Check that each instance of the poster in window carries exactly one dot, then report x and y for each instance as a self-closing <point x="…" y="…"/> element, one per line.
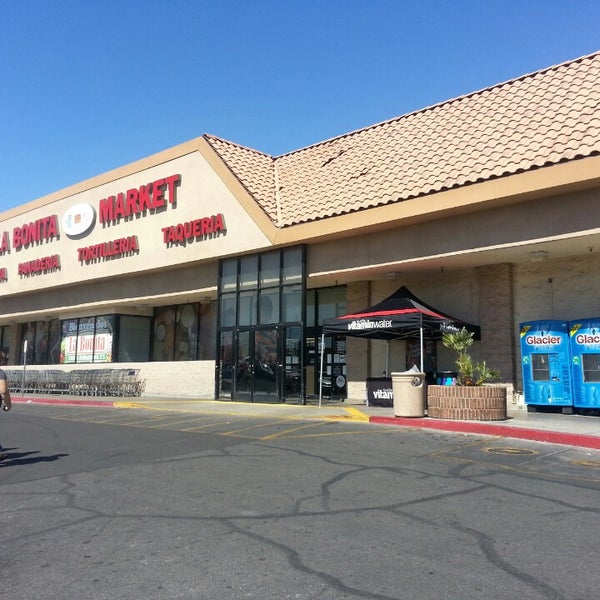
<point x="68" y="344"/>
<point x="103" y="340"/>
<point x="85" y="340"/>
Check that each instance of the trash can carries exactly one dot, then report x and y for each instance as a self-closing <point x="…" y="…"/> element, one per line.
<point x="409" y="394"/>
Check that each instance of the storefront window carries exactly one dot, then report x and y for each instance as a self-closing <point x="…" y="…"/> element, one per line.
<point x="68" y="344"/>
<point x="269" y="307"/>
<point x="186" y="334"/>
<point x="248" y="273"/>
<point x="269" y="269"/>
<point x="134" y="339"/>
<point x="53" y="342"/>
<point x="163" y="347"/>
<point x="43" y="341"/>
<point x="292" y="266"/>
<point x="247" y="308"/>
<point x="292" y="303"/>
<point x="103" y="340"/>
<point x="262" y="315"/>
<point x="177" y="331"/>
<point x="207" y="331"/>
<point x="4" y="346"/>
<point x="229" y="275"/>
<point x="325" y="303"/>
<point x="87" y="340"/>
<point x="27" y="343"/>
<point x="228" y="310"/>
<point x="331" y="303"/>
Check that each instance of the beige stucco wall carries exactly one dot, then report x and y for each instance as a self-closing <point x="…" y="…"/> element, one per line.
<point x="183" y="380"/>
<point x="201" y="193"/>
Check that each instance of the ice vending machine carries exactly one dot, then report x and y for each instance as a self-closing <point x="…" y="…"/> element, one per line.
<point x="585" y="362"/>
<point x="545" y="359"/>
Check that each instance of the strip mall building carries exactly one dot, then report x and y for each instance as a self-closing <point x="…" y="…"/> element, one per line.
<point x="209" y="267"/>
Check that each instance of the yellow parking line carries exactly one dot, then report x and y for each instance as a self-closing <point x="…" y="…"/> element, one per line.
<point x="288" y="431"/>
<point x="258" y="426"/>
<point x="188" y="420"/>
<point x="217" y="424"/>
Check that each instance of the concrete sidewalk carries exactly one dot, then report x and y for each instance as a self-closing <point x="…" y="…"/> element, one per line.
<point x="556" y="428"/>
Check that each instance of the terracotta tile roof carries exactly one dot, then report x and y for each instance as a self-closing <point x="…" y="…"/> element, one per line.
<point x="539" y="119"/>
<point x="255" y="171"/>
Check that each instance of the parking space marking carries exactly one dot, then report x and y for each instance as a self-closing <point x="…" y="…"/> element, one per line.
<point x="287" y="432"/>
<point x="249" y="427"/>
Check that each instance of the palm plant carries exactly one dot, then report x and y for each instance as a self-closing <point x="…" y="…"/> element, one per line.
<point x="469" y="372"/>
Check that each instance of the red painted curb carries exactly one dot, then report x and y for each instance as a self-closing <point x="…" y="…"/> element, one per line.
<point x="536" y="435"/>
<point x="61" y="401"/>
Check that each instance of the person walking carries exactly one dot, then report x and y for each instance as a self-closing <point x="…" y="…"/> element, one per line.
<point x="5" y="400"/>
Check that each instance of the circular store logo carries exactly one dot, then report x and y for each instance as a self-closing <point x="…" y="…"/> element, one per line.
<point x="78" y="220"/>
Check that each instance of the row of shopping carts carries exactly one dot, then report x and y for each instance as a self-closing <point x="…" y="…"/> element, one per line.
<point x="86" y="382"/>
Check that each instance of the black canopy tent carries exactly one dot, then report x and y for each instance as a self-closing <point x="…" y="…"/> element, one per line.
<point x="401" y="315"/>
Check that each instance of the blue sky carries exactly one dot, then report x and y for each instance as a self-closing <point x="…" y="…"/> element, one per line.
<point x="91" y="85"/>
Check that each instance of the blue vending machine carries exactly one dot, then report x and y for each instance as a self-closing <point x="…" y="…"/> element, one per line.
<point x="545" y="359"/>
<point x="585" y="362"/>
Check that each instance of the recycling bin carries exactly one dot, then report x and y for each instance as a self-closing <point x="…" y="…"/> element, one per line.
<point x="409" y="394"/>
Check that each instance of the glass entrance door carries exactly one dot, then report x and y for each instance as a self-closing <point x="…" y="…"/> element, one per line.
<point x="244" y="367"/>
<point x="256" y="367"/>
<point x="266" y="366"/>
<point x="262" y="364"/>
<point x="292" y="364"/>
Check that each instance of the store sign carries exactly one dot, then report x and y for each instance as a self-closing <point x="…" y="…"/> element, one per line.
<point x="147" y="199"/>
<point x="30" y="234"/>
<point x="114" y="249"/>
<point x="78" y="220"/>
<point x="48" y="264"/>
<point x="5" y="244"/>
<point x="194" y="230"/>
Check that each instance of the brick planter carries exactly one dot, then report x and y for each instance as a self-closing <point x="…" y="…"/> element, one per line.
<point x="467" y="403"/>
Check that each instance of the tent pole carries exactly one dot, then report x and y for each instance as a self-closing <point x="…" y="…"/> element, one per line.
<point x="421" y="332"/>
<point x="387" y="358"/>
<point x="321" y="369"/>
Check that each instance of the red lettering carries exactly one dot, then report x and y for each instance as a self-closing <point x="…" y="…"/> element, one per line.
<point x="39" y="265"/>
<point x="5" y="247"/>
<point x="52" y="227"/>
<point x="587" y="339"/>
<point x="158" y="193"/>
<point x="537" y="340"/>
<point x="106" y="209"/>
<point x="207" y="226"/>
<point x="144" y="198"/>
<point x="219" y="223"/>
<point x="118" y="247"/>
<point x="171" y="183"/>
<point x="132" y="202"/>
<point x="120" y="206"/>
<point x="139" y="201"/>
